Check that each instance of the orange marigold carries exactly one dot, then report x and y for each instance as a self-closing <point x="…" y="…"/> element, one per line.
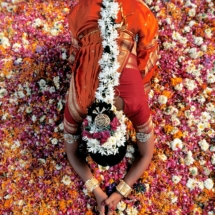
<point x="179" y="134"/>
<point x="175" y="81"/>
<point x="89" y="213"/>
<point x="168" y="128"/>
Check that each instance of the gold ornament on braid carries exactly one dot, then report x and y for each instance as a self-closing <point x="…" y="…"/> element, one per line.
<point x="123" y="188"/>
<point x="91" y="184"/>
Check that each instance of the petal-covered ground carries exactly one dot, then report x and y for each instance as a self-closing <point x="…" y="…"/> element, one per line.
<point x="35" y="175"/>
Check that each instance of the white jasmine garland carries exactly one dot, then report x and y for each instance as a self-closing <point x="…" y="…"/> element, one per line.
<point x="108" y="79"/>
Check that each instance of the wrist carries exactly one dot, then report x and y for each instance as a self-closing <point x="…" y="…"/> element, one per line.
<point x="119" y="195"/>
<point x="91" y="184"/>
<point x="97" y="190"/>
<point x="123" y="188"/>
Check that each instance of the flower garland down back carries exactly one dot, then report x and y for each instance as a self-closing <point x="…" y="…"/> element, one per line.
<point x="104" y="128"/>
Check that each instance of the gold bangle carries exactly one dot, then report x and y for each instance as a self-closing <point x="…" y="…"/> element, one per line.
<point x="123" y="188"/>
<point x="91" y="184"/>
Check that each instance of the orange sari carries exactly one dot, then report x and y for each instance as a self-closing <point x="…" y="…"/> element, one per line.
<point x="137" y="20"/>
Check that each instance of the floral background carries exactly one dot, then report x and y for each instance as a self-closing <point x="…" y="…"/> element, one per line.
<point x="35" y="175"/>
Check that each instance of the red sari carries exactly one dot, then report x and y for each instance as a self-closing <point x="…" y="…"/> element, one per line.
<point x="137" y="70"/>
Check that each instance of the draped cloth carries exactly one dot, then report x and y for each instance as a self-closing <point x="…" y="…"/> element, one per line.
<point x="137" y="21"/>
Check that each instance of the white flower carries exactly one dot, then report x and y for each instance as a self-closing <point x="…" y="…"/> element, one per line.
<point x="64" y="56"/>
<point x="171" y="110"/>
<point x="213" y="159"/>
<point x="42" y="118"/>
<point x="43" y="161"/>
<point x="132" y="211"/>
<point x="16" y="47"/>
<point x="162" y="99"/>
<point x="208" y="33"/>
<point x="121" y="206"/>
<point x="103" y="168"/>
<point x="202" y="162"/>
<point x="42" y="83"/>
<point x="149" y="2"/>
<point x="4" y="41"/>
<point x="8" y="196"/>
<point x="28" y="109"/>
<point x="193" y="171"/>
<point x="200" y="126"/>
<point x="61" y="126"/>
<point x="25" y="41"/>
<point x="176" y="144"/>
<point x="59" y="105"/>
<point x="175" y="121"/>
<point x="190" y="84"/>
<point x="168" y="20"/>
<point x="54" y="141"/>
<point x="178" y="87"/>
<point x="168" y="45"/>
<point x="37" y="23"/>
<point x="200" y="184"/>
<point x="212" y="148"/>
<point x="66" y="180"/>
<point x="34" y="118"/>
<point x="15" y="145"/>
<point x="130" y="149"/>
<point x="205" y="116"/>
<point x="193" y="53"/>
<point x="163" y="157"/>
<point x="18" y="60"/>
<point x="207" y="171"/>
<point x="56" y="81"/>
<point x="58" y="167"/>
<point x="198" y="40"/>
<point x="172" y="197"/>
<point x="192" y="12"/>
<point x="189" y="159"/>
<point x="201" y="99"/>
<point x="52" y="89"/>
<point x="187" y="29"/>
<point x="176" y="178"/>
<point x="191" y="183"/>
<point x="21" y="202"/>
<point x="208" y="183"/>
<point x="210" y="78"/>
<point x="3" y="92"/>
<point x="204" y="145"/>
<point x="204" y="48"/>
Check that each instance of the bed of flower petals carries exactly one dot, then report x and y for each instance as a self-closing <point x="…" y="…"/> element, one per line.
<point x="35" y="175"/>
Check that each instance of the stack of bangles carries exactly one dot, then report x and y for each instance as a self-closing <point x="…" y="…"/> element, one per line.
<point x="123" y="188"/>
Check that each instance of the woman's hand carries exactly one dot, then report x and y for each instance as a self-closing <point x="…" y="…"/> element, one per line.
<point x="100" y="198"/>
<point x="112" y="202"/>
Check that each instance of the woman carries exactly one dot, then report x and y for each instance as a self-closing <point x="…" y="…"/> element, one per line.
<point x="137" y="60"/>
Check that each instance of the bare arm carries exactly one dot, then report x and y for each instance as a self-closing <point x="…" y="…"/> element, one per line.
<point x="82" y="169"/>
<point x="139" y="165"/>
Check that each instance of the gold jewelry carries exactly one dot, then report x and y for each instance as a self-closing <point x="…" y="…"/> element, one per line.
<point x="123" y="188"/>
<point x="91" y="184"/>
